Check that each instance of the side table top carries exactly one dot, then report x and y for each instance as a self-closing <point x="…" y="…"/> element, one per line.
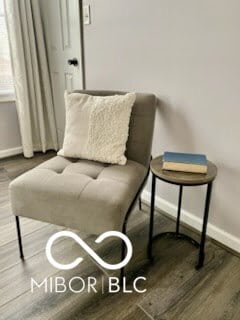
<point x="184" y="178"/>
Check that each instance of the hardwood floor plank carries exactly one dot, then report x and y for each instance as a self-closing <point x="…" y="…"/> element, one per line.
<point x="138" y="236"/>
<point x="4" y="195"/>
<point x="5" y="212"/>
<point x="123" y="302"/>
<point x="33" y="243"/>
<point x="215" y="296"/>
<point x="167" y="292"/>
<point x="8" y="231"/>
<point x="17" y="165"/>
<point x="46" y="305"/>
<point x="137" y="314"/>
<point x="16" y="280"/>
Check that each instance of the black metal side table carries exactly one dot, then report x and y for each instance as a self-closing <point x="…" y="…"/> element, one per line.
<point x="181" y="179"/>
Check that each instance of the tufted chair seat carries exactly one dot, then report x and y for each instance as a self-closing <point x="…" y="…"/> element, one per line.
<point x="90" y="196"/>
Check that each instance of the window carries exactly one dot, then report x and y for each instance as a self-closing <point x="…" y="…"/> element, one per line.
<point x="6" y="78"/>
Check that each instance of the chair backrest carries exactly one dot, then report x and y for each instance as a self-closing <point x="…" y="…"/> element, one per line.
<point x="141" y="127"/>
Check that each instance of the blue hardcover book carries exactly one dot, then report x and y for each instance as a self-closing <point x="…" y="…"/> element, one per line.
<point x="188" y="158"/>
<point x="186" y="162"/>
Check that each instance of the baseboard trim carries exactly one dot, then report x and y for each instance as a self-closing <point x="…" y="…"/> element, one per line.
<point x="188" y="218"/>
<point x="10" y="152"/>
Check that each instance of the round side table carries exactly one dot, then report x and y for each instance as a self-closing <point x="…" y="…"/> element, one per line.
<point x="182" y="179"/>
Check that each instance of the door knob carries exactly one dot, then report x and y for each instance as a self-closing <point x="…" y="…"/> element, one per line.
<point x="73" y="62"/>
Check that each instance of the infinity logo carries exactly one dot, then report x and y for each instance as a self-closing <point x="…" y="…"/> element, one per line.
<point x="83" y="244"/>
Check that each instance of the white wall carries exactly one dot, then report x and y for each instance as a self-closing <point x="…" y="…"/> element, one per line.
<point x="187" y="53"/>
<point x="10" y="141"/>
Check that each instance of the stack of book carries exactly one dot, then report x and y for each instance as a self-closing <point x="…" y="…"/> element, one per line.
<point x="186" y="162"/>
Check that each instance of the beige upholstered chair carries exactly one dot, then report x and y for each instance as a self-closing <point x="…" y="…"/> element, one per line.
<point x="90" y="196"/>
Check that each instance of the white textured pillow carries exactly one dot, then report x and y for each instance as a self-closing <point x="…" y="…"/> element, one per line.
<point x="97" y="127"/>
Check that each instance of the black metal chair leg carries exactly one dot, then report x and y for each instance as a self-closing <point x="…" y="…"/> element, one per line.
<point x="204" y="228"/>
<point x="19" y="238"/>
<point x="140" y="203"/>
<point x="149" y="253"/>
<point x="123" y="252"/>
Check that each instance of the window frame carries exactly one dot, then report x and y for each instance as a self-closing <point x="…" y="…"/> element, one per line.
<point x="6" y="96"/>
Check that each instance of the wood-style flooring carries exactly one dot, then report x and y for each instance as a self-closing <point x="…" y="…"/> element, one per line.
<point x="175" y="290"/>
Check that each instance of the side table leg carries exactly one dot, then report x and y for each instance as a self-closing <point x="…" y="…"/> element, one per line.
<point x="204" y="227"/>
<point x="140" y="203"/>
<point x="151" y="218"/>
<point x="179" y="209"/>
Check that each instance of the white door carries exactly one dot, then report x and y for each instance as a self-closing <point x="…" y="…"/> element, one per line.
<point x="63" y="33"/>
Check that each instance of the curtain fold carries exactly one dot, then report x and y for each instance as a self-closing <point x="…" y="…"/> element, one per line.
<point x="34" y="97"/>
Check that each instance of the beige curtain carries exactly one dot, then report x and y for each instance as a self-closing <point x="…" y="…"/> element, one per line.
<point x="31" y="75"/>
